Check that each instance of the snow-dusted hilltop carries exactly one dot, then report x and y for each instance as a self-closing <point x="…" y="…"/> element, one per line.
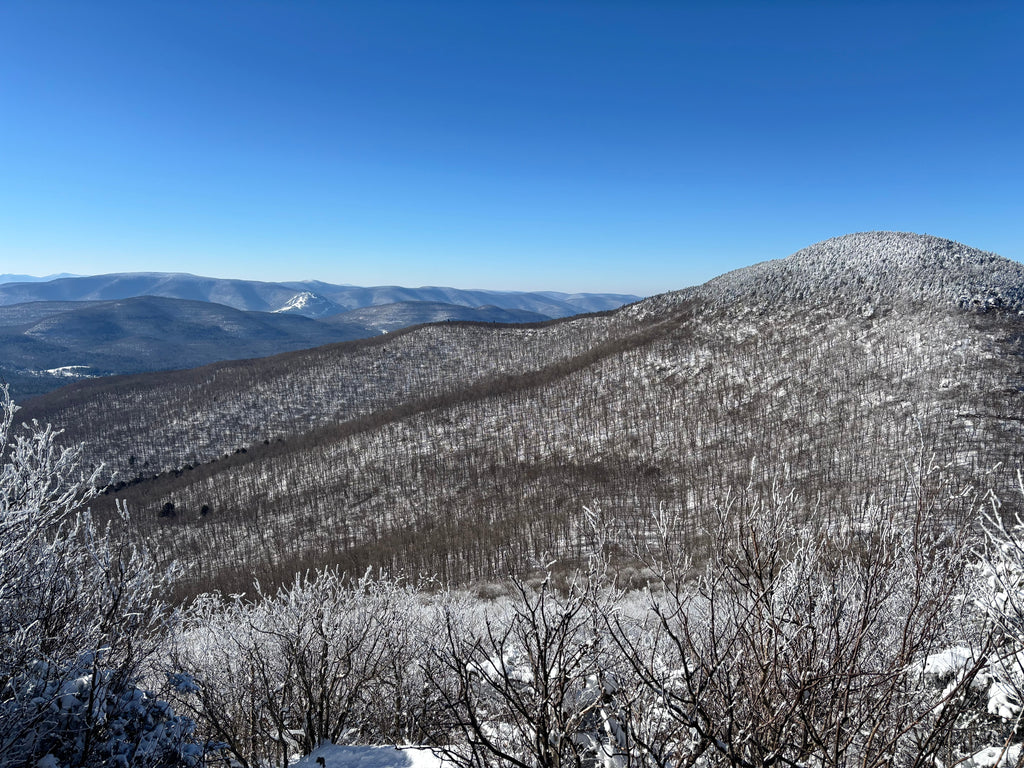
<point x="309" y="304"/>
<point x="866" y="269"/>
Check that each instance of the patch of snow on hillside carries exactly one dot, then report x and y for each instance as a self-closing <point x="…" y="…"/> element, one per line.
<point x="308" y="304"/>
<point x="67" y="371"/>
<point x="298" y="302"/>
<point x="337" y="756"/>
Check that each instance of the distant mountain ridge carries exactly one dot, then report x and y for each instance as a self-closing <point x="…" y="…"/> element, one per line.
<point x="8" y="278"/>
<point x="46" y="344"/>
<point x="308" y="298"/>
<point x="144" y="333"/>
<point x="122" y="323"/>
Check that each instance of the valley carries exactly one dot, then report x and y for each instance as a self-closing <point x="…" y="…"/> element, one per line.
<point x="72" y="328"/>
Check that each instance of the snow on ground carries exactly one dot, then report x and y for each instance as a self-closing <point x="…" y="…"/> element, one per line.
<point x="994" y="756"/>
<point x="67" y="370"/>
<point x="334" y="756"/>
<point x="949" y="662"/>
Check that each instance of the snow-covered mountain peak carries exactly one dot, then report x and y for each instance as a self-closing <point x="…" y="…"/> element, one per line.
<point x="869" y="268"/>
<point x="309" y="304"/>
<point x="894" y="257"/>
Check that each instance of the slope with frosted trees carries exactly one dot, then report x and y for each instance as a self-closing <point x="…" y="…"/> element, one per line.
<point x="788" y="646"/>
<point x="470" y="450"/>
<point x="794" y="481"/>
<point x="886" y="268"/>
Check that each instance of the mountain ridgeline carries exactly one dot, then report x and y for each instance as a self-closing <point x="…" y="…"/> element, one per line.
<point x="73" y="328"/>
<point x="310" y="298"/>
<point x="872" y="370"/>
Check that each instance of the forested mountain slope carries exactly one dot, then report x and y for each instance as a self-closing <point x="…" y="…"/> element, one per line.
<point x="898" y="269"/>
<point x="167" y="419"/>
<point x="874" y="369"/>
<point x="402" y="314"/>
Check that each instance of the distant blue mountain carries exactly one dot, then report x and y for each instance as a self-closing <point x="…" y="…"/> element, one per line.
<point x="68" y="328"/>
<point x="44" y="345"/>
<point x="308" y="298"/>
<point x="401" y="314"/>
<point x="32" y="279"/>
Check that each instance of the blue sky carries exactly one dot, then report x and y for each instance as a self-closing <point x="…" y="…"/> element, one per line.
<point x="581" y="146"/>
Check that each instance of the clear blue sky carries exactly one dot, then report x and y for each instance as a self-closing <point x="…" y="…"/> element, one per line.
<point x="630" y="146"/>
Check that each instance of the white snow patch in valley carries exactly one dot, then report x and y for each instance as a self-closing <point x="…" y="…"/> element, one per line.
<point x="336" y="756"/>
<point x="67" y="370"/>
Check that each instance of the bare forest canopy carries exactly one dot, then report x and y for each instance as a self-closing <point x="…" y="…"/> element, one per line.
<point x="877" y="370"/>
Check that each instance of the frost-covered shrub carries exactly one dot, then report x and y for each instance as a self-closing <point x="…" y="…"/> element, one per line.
<point x="999" y="593"/>
<point x="93" y="719"/>
<point x="80" y="621"/>
<point x="327" y="659"/>
<point x="802" y="644"/>
<point x="536" y="680"/>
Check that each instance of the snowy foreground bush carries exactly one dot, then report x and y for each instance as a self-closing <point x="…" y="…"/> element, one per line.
<point x="878" y="643"/>
<point x="81" y="622"/>
<point x="875" y="642"/>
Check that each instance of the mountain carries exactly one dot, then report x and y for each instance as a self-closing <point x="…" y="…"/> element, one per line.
<point x="14" y="315"/>
<point x="248" y="295"/>
<point x="309" y="304"/>
<point x="310" y="298"/>
<point x="33" y="361"/>
<point x="549" y="303"/>
<point x="43" y="344"/>
<point x="878" y="370"/>
<point x="7" y="278"/>
<point x="867" y="268"/>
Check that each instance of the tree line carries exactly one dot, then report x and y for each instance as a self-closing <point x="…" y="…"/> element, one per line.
<point x="491" y="477"/>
